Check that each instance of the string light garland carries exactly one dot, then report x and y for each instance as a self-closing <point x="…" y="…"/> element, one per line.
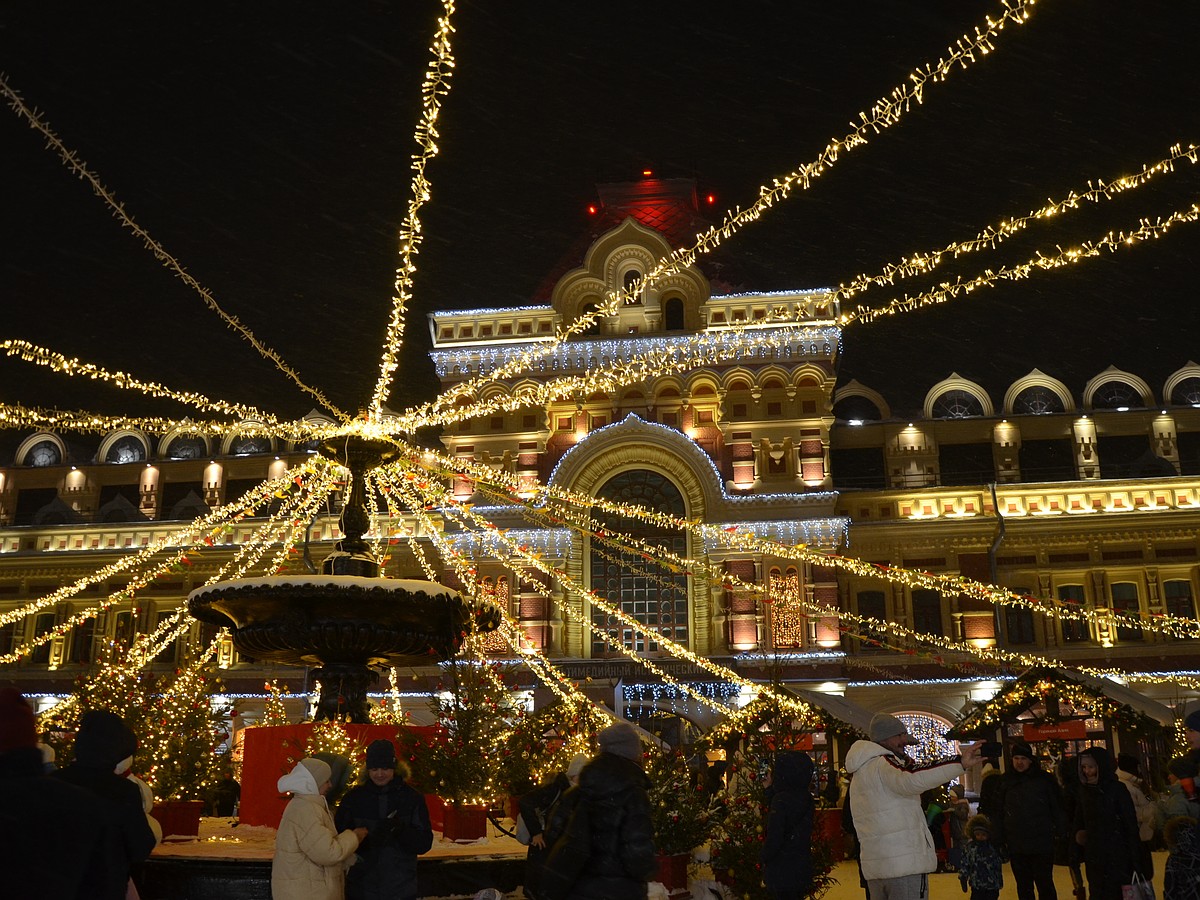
<point x="437" y="84"/>
<point x="41" y="356"/>
<point x="81" y="170"/>
<point x="885" y="112"/>
<point x="923" y="263"/>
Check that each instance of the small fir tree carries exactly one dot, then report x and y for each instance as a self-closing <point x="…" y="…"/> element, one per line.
<point x="682" y="811"/>
<point x="463" y="759"/>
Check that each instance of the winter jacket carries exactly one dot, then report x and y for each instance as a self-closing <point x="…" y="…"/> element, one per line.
<point x="982" y="867"/>
<point x="1181" y="880"/>
<point x="104" y="741"/>
<point x="52" y="833"/>
<point x="1105" y="813"/>
<point x="398" y="821"/>
<point x="885" y="798"/>
<point x="1142" y="807"/>
<point x="606" y="849"/>
<point x="786" y="850"/>
<point x="309" y="852"/>
<point x="1030" y="816"/>
<point x="1174" y="802"/>
<point x="537" y="811"/>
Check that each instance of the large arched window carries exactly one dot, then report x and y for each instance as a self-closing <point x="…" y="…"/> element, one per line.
<point x="957" y="404"/>
<point x="1038" y="400"/>
<point x="642" y="589"/>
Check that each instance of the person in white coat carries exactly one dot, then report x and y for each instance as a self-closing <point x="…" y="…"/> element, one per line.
<point x="309" y="852"/>
<point x="896" y="849"/>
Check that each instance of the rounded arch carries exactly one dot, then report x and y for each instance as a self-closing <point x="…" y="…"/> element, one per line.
<point x="739" y="379"/>
<point x="180" y="443"/>
<point x="929" y="727"/>
<point x="850" y="402"/>
<point x="634" y="443"/>
<point x="41" y="450"/>
<point x="956" y="397"/>
<point x="1037" y="394"/>
<point x="1117" y="389"/>
<point x="124" y="446"/>
<point x="248" y="440"/>
<point x="1183" y="387"/>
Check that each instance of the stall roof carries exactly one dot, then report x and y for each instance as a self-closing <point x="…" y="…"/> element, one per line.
<point x="857" y="717"/>
<point x="1119" y="693"/>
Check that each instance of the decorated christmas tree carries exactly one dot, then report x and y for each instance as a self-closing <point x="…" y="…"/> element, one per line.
<point x="682" y="811"/>
<point x="463" y="759"/>
<point x="543" y="743"/>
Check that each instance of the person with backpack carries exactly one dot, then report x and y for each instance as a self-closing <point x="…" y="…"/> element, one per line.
<point x="606" y="849"/>
<point x="536" y="813"/>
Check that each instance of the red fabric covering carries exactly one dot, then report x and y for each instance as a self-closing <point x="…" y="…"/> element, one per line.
<point x="272" y="751"/>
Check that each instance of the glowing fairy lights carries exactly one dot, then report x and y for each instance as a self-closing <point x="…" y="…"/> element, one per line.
<point x="437" y="84"/>
<point x="885" y="112"/>
<point x="81" y="170"/>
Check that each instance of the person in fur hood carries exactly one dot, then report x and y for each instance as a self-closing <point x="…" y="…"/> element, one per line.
<point x="309" y="852"/>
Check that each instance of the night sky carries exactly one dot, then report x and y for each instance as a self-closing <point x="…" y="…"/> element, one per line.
<point x="266" y="145"/>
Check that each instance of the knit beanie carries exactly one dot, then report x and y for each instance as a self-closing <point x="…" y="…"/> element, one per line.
<point x="381" y="754"/>
<point x="1020" y="748"/>
<point x="1182" y="767"/>
<point x="17" y="727"/>
<point x="103" y="740"/>
<point x="621" y="740"/>
<point x="1127" y="762"/>
<point x="318" y="769"/>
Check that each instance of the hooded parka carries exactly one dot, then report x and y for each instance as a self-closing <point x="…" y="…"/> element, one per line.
<point x="885" y="799"/>
<point x="787" y="845"/>
<point x="309" y="853"/>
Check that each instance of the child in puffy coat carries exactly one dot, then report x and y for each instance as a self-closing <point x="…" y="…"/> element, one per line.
<point x="1182" y="878"/>
<point x="982" y="865"/>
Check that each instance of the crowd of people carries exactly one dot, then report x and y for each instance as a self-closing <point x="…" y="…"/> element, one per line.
<point x="83" y="831"/>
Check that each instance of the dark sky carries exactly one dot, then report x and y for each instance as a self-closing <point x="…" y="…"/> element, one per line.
<point x="267" y="144"/>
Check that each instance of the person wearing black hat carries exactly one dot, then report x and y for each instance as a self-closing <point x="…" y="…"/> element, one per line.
<point x="398" y="829"/>
<point x="103" y="745"/>
<point x="896" y="849"/>
<point x="1030" y="819"/>
<point x="606" y="848"/>
<point x="51" y="831"/>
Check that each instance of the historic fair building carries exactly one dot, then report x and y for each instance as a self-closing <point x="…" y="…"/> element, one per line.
<point x="1082" y="495"/>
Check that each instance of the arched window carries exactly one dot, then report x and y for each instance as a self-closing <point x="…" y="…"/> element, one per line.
<point x="43" y="453"/>
<point x="1116" y="395"/>
<point x="250" y="446"/>
<point x="632" y="277"/>
<point x="856" y="408"/>
<point x="1037" y="400"/>
<point x="673" y="314"/>
<point x="128" y="449"/>
<point x="957" y="404"/>
<point x="187" y="448"/>
<point x="1186" y="393"/>
<point x="641" y="588"/>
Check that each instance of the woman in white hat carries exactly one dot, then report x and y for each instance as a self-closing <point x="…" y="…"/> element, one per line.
<point x="309" y="852"/>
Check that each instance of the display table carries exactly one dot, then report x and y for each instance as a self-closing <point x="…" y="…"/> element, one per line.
<point x="228" y="862"/>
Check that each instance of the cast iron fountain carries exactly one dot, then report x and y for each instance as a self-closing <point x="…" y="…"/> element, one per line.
<point x="348" y="619"/>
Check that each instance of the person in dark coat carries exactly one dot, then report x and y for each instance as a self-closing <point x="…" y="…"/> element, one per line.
<point x="398" y="829"/>
<point x="102" y="744"/>
<point x="786" y="850"/>
<point x="1031" y="819"/>
<point x="51" y="831"/>
<point x="1105" y="826"/>
<point x="1067" y="852"/>
<point x="537" y="811"/>
<point x="606" y="850"/>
